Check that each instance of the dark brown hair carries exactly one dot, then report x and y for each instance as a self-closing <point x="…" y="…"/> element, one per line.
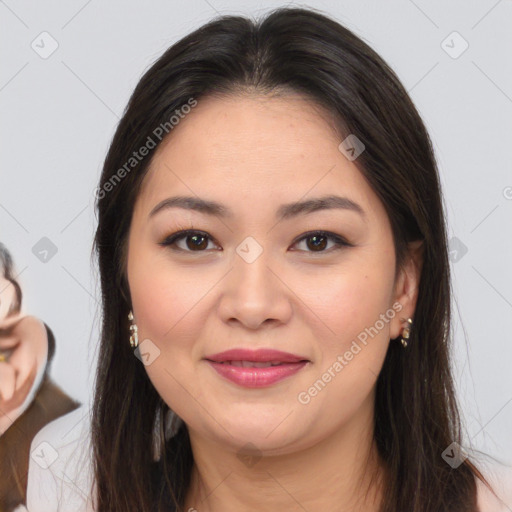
<point x="301" y="51"/>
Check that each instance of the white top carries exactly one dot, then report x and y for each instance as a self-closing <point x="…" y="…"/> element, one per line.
<point x="500" y="478"/>
<point x="60" y="471"/>
<point x="60" y="467"/>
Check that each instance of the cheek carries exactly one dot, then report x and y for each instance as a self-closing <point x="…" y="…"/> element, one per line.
<point x="162" y="293"/>
<point x="169" y="304"/>
<point x="348" y="302"/>
<point x="355" y="338"/>
<point x="6" y="298"/>
<point x="163" y="299"/>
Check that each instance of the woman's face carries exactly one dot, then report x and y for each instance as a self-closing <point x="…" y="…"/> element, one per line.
<point x="252" y="279"/>
<point x="7" y="297"/>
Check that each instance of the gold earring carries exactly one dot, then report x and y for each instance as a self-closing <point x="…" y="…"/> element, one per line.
<point x="406" y="332"/>
<point x="134" y="336"/>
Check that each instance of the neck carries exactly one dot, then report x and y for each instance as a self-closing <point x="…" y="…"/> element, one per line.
<point x="343" y="472"/>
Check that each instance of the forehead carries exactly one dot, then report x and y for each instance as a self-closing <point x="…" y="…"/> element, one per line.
<point x="254" y="149"/>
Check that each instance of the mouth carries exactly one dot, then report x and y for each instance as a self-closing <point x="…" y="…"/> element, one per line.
<point x="252" y="364"/>
<point x="262" y="355"/>
<point x="256" y="369"/>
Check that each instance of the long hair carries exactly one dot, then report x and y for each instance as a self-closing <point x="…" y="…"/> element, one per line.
<point x="290" y="50"/>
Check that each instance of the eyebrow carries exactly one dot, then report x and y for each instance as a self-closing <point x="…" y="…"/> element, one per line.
<point x="285" y="211"/>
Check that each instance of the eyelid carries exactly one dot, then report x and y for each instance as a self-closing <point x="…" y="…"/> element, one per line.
<point x="338" y="239"/>
<point x="178" y="235"/>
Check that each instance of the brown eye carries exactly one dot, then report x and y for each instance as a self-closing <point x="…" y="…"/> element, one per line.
<point x="195" y="241"/>
<point x="318" y="241"/>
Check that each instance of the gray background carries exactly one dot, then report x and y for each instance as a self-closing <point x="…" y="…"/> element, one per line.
<point x="59" y="113"/>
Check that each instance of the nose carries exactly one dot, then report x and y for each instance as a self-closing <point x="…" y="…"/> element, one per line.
<point x="254" y="294"/>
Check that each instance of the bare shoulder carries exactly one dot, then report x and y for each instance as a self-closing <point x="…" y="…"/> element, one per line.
<point x="499" y="499"/>
<point x="30" y="324"/>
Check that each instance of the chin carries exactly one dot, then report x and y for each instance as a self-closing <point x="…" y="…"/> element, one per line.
<point x="270" y="434"/>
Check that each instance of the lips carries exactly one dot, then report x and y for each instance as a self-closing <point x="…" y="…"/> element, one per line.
<point x="252" y="364"/>
<point x="256" y="368"/>
<point x="255" y="356"/>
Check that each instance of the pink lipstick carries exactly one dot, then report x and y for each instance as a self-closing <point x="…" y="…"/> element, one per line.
<point x="256" y="368"/>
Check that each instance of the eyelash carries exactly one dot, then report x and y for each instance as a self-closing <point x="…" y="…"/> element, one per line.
<point x="179" y="235"/>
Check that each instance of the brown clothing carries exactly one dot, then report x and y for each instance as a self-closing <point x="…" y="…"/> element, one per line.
<point x="49" y="403"/>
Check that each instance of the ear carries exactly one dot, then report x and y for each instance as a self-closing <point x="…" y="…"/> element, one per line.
<point x="406" y="287"/>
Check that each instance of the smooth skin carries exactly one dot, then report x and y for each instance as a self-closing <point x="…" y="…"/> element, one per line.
<point x="23" y="349"/>
<point x="253" y="153"/>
